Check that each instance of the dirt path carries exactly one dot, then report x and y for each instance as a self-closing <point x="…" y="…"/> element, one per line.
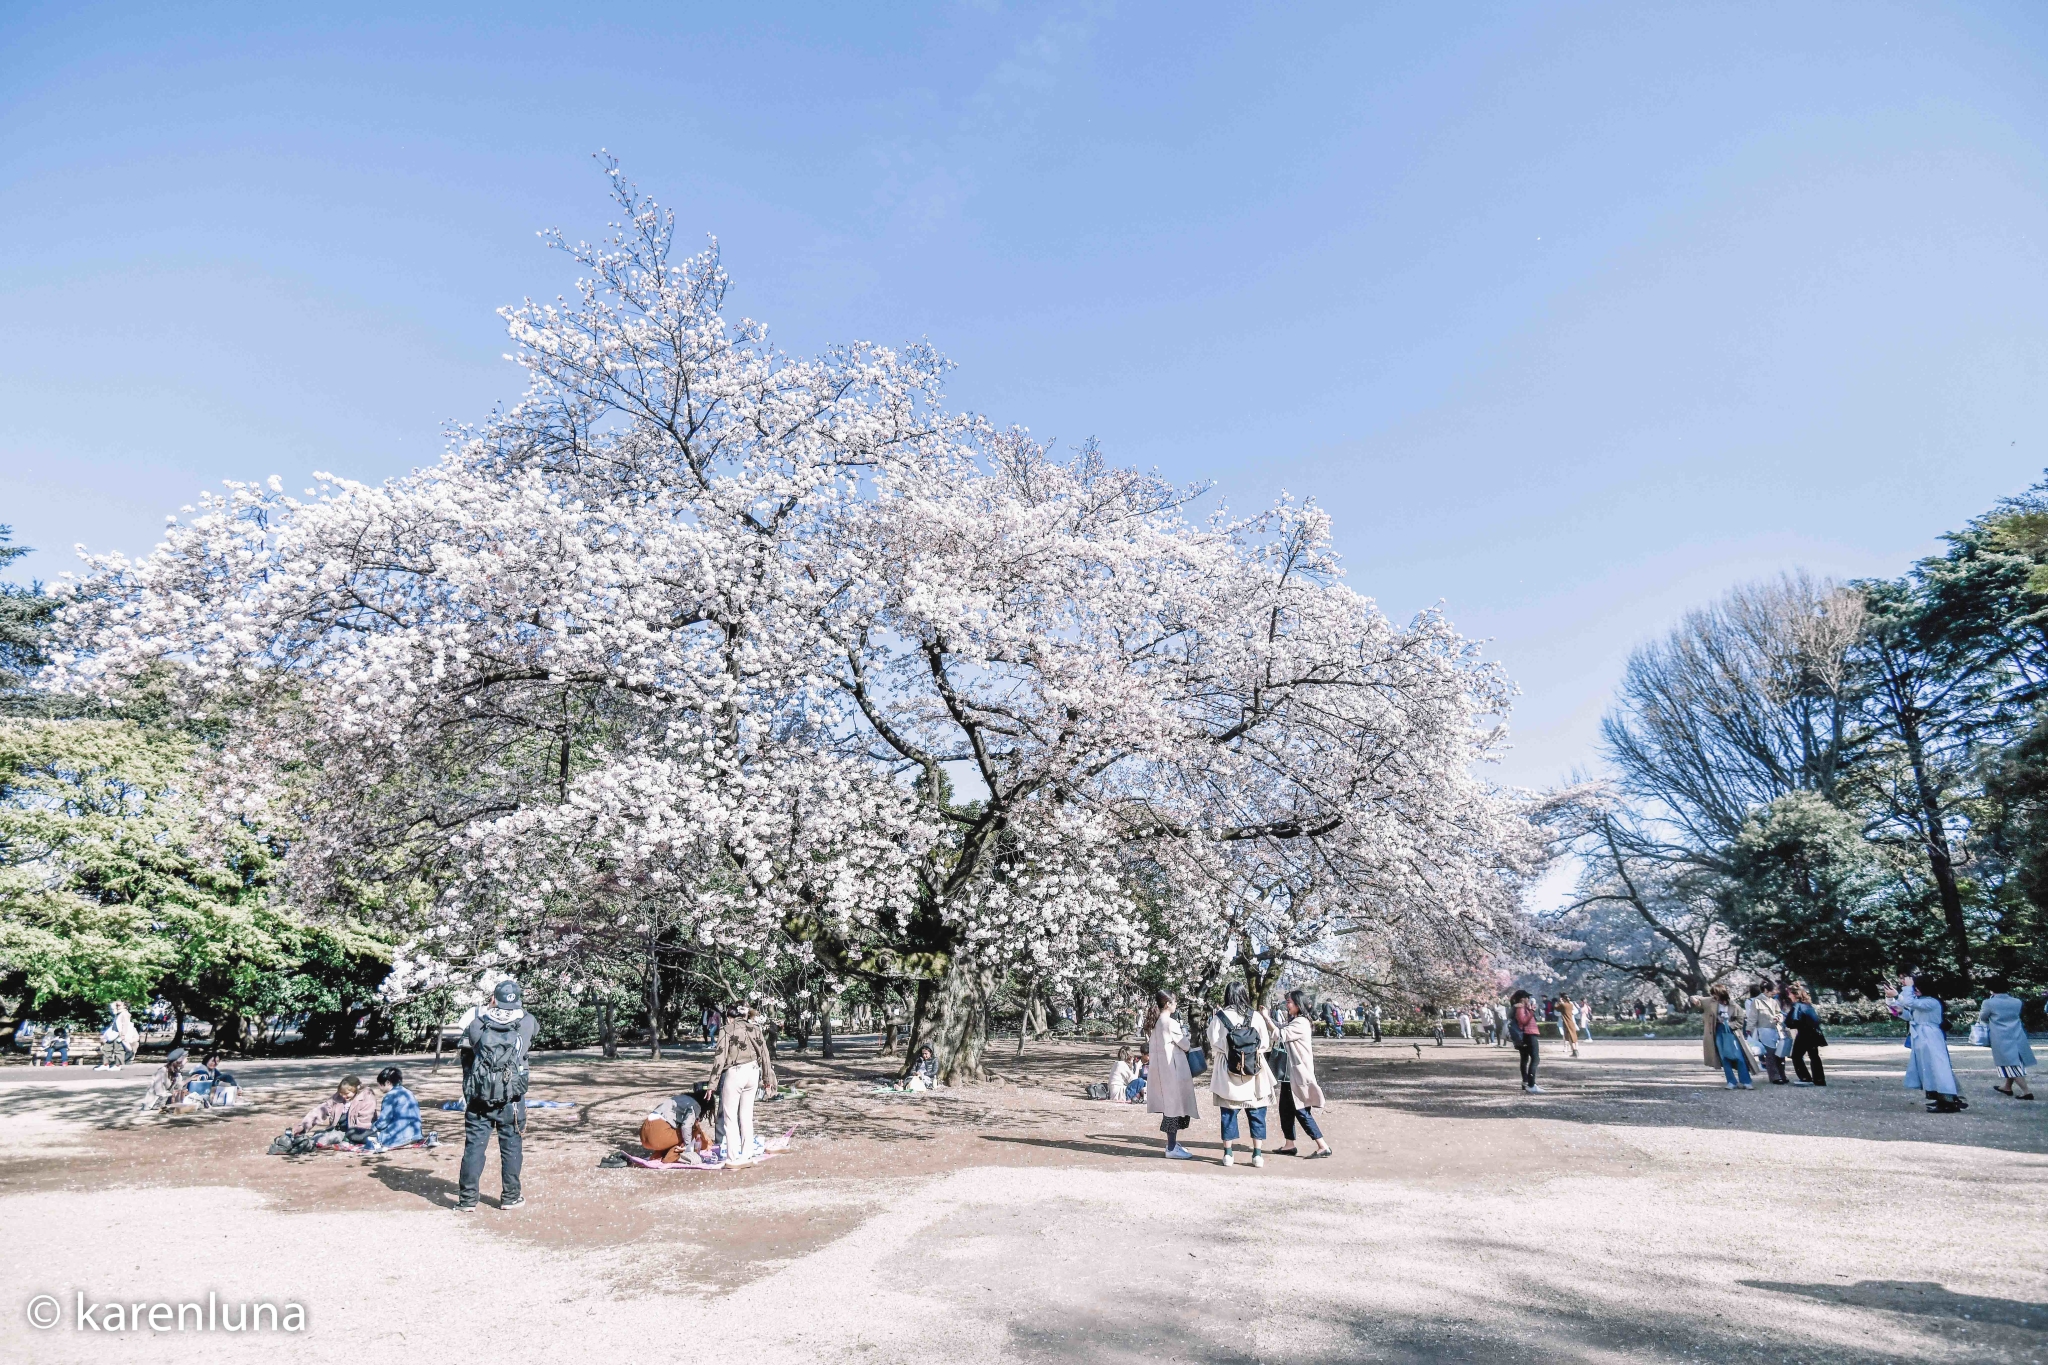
<point x="1637" y="1211"/>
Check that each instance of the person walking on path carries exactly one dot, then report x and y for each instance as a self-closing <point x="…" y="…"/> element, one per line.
<point x="1760" y="1015"/>
<point x="1373" y="1018"/>
<point x="1523" y="1023"/>
<point x="1568" y="1023"/>
<point x="1240" y="1077"/>
<point x="1928" y="1068"/>
<point x="2011" y="1053"/>
<point x="1170" y="1084"/>
<point x="494" y="1050"/>
<point x="742" y="1067"/>
<point x="119" y="1040"/>
<point x="1299" y="1091"/>
<point x="1723" y="1045"/>
<point x="1500" y="1024"/>
<point x="1807" y="1039"/>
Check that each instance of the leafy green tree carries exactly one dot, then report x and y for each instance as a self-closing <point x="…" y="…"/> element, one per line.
<point x="113" y="887"/>
<point x="24" y="613"/>
<point x="1811" y="892"/>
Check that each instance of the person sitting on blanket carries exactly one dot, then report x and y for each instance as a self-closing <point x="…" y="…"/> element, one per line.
<point x="1122" y="1074"/>
<point x="1135" y="1091"/>
<point x="679" y="1128"/>
<point x="220" y="1085"/>
<point x="167" y="1091"/>
<point x="347" y="1115"/>
<point x="398" y="1114"/>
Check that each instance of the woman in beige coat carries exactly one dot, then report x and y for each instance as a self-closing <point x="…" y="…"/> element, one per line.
<point x="1170" y="1084"/>
<point x="1568" y="1022"/>
<point x="1249" y="1084"/>
<point x="1723" y="1047"/>
<point x="1299" y="1091"/>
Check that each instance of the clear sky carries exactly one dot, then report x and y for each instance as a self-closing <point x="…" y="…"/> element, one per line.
<point x="1572" y="315"/>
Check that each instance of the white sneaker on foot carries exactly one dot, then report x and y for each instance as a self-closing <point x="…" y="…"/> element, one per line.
<point x="1179" y="1154"/>
<point x="1229" y="1159"/>
<point x="1258" y="1158"/>
<point x="1536" y="1090"/>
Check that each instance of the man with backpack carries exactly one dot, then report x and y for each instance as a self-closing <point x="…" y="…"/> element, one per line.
<point x="494" y="1075"/>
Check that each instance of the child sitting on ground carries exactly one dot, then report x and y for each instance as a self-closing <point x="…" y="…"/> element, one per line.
<point x="398" y="1114"/>
<point x="1123" y="1074"/>
<point x="347" y="1115"/>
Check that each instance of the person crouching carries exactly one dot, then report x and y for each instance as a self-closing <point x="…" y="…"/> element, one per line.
<point x="679" y="1129"/>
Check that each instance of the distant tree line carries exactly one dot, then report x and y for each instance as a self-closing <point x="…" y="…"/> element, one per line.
<point x="1839" y="780"/>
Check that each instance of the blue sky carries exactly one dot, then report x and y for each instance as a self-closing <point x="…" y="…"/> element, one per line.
<point x="1573" y="316"/>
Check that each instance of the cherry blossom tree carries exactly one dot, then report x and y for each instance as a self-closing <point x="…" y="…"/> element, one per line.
<point x="704" y="644"/>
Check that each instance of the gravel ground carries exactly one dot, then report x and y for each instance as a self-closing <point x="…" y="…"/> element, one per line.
<point x="1638" y="1211"/>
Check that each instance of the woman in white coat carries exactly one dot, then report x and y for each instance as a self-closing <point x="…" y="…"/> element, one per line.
<point x="1240" y="1078"/>
<point x="1927" y="1065"/>
<point x="1299" y="1092"/>
<point x="2011" y="1053"/>
<point x="1170" y="1086"/>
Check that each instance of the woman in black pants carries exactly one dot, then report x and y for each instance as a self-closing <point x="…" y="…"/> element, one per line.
<point x="1296" y="1069"/>
<point x="1522" y="1026"/>
<point x="1807" y="1039"/>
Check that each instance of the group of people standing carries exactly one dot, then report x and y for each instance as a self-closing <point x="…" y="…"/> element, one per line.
<point x="1252" y="1066"/>
<point x="1783" y="1021"/>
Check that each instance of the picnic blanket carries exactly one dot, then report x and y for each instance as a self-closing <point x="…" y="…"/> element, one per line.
<point x="430" y="1140"/>
<point x="774" y="1147"/>
<point x="530" y="1104"/>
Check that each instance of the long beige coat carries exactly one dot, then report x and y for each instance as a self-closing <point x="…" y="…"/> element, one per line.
<point x="1169" y="1082"/>
<point x="1234" y="1092"/>
<point x="1297" y="1037"/>
<point x="1708" y="1052"/>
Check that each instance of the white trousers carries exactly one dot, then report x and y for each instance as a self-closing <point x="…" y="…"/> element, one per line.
<point x="736" y="1091"/>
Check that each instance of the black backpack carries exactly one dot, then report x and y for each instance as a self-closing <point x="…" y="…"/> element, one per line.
<point x="1241" y="1046"/>
<point x="497" y="1074"/>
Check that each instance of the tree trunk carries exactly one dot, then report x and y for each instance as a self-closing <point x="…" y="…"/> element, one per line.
<point x="653" y="1002"/>
<point x="919" y="1011"/>
<point x="825" y="1025"/>
<point x="606" y="1034"/>
<point x="962" y="1031"/>
<point x="1024" y="1016"/>
<point x="1939" y="860"/>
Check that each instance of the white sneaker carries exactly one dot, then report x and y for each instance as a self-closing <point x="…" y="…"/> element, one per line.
<point x="1536" y="1090"/>
<point x="1747" y="1086"/>
<point x="1258" y="1158"/>
<point x="1731" y="1085"/>
<point x="1179" y="1154"/>
<point x="1807" y="1083"/>
<point x="1229" y="1159"/>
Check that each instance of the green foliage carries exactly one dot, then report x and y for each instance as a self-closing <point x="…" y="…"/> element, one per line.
<point x="24" y="612"/>
<point x="112" y="887"/>
<point x="1812" y="893"/>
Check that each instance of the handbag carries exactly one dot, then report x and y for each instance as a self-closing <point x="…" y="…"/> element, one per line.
<point x="1276" y="1062"/>
<point x="1980" y="1034"/>
<point x="1198" y="1061"/>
